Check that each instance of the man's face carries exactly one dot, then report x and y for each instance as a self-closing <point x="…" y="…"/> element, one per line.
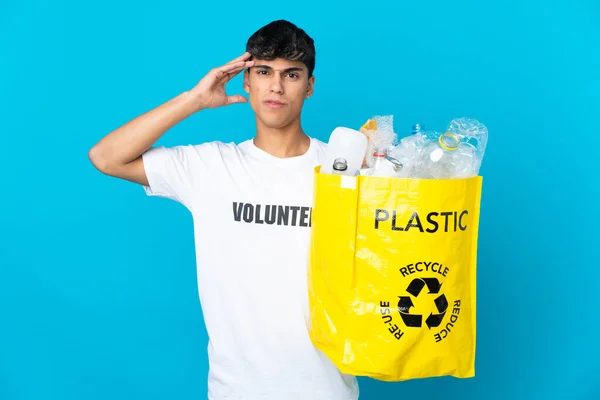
<point x="277" y="90"/>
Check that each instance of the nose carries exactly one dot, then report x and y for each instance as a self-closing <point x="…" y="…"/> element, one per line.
<point x="276" y="86"/>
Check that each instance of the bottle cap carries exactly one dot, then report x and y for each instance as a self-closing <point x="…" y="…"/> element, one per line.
<point x="449" y="141"/>
<point x="418" y="128"/>
<point x="379" y="152"/>
<point x="340" y="164"/>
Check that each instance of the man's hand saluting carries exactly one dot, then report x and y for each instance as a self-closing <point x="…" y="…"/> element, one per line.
<point x="210" y="91"/>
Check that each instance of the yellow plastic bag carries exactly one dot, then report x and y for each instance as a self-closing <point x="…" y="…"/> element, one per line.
<point x="392" y="275"/>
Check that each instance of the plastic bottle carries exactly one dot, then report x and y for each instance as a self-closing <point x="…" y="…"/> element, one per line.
<point x="346" y="143"/>
<point x="473" y="137"/>
<point x="446" y="158"/>
<point x="407" y="151"/>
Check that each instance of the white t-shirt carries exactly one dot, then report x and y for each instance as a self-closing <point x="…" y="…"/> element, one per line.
<point x="252" y="215"/>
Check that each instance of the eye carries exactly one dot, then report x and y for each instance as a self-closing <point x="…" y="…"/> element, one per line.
<point x="293" y="75"/>
<point x="262" y="72"/>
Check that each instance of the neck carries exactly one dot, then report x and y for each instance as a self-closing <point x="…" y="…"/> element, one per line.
<point x="290" y="141"/>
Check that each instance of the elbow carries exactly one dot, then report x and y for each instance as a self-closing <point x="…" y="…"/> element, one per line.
<point x="98" y="160"/>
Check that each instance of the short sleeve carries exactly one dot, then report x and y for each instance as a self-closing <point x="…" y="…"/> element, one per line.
<point x="173" y="171"/>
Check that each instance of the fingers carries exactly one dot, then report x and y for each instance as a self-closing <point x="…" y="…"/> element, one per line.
<point x="235" y="99"/>
<point x="243" y="57"/>
<point x="223" y="74"/>
<point x="236" y="65"/>
<point x="228" y="71"/>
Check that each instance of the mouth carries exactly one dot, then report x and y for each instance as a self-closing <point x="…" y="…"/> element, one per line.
<point x="274" y="104"/>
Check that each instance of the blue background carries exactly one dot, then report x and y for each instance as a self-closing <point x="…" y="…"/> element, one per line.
<point x="97" y="281"/>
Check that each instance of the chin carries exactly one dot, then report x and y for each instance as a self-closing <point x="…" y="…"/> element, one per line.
<point x="275" y="123"/>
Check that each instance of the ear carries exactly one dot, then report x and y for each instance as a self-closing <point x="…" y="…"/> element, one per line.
<point x="310" y="88"/>
<point x="246" y="81"/>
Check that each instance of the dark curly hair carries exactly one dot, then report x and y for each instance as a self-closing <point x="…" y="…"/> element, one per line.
<point x="282" y="39"/>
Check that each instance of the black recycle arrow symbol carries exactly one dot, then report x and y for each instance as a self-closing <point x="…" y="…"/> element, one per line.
<point x="417" y="285"/>
<point x="435" y="320"/>
<point x="404" y="305"/>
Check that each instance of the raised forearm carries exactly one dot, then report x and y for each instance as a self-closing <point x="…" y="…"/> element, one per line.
<point x="131" y="140"/>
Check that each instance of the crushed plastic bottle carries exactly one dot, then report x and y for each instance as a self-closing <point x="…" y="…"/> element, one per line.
<point x="446" y="158"/>
<point x="456" y="153"/>
<point x="472" y="134"/>
<point x="408" y="150"/>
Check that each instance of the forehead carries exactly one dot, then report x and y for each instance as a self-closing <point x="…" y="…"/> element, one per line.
<point x="280" y="64"/>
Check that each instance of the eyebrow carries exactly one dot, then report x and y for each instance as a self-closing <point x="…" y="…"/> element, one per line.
<point x="291" y="69"/>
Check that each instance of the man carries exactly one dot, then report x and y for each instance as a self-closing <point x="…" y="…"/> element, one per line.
<point x="251" y="206"/>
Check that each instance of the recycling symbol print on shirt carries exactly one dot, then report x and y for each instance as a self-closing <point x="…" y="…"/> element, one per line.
<point x="406" y="303"/>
